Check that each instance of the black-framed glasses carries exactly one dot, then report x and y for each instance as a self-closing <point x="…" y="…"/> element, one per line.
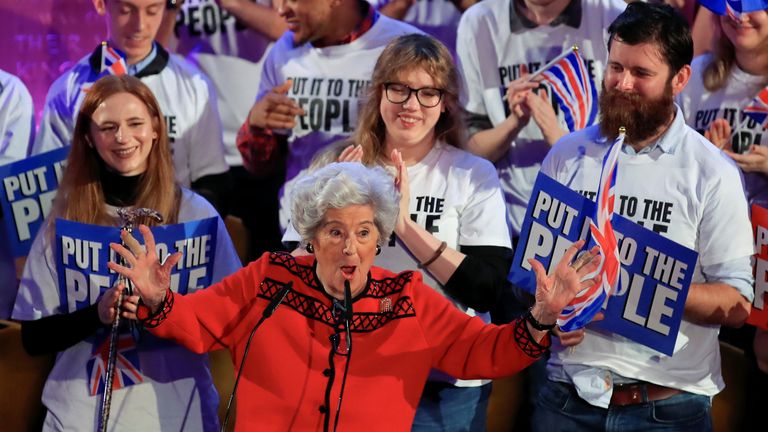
<point x="397" y="93"/>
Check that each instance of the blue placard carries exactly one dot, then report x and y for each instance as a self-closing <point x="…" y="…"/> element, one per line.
<point x="655" y="271"/>
<point x="28" y="189"/>
<point x="82" y="252"/>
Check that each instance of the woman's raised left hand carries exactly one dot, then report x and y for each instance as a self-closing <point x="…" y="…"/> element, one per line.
<point x="401" y="181"/>
<point x="556" y="290"/>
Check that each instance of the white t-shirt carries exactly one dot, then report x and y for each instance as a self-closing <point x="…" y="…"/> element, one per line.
<point x="490" y="57"/>
<point x="231" y="54"/>
<point x="186" y="99"/>
<point x="456" y="196"/>
<point x="17" y="118"/>
<point x="689" y="192"/>
<point x="16" y="125"/>
<point x="329" y="83"/>
<point x="177" y="391"/>
<point x="701" y="107"/>
<point x="438" y="18"/>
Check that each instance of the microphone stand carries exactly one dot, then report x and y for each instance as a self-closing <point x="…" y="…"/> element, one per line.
<point x="348" y="328"/>
<point x="268" y="311"/>
<point x="127" y="218"/>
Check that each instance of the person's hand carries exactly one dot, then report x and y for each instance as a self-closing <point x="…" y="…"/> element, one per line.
<point x="544" y="115"/>
<point x="275" y="110"/>
<point x="555" y="291"/>
<point x="108" y="301"/>
<point x="756" y="160"/>
<point x="401" y="181"/>
<point x="719" y="133"/>
<point x="150" y="279"/>
<point x="573" y="338"/>
<point x="517" y="92"/>
<point x="351" y="153"/>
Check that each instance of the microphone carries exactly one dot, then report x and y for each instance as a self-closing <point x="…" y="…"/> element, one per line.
<point x="347" y="302"/>
<point x="268" y="311"/>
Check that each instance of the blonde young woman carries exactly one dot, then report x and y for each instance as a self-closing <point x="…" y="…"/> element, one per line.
<point x="120" y="157"/>
<point x="452" y="222"/>
<point x="724" y="83"/>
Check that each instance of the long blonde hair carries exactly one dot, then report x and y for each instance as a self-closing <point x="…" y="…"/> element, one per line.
<point x="403" y="54"/>
<point x="717" y="71"/>
<point x="81" y="197"/>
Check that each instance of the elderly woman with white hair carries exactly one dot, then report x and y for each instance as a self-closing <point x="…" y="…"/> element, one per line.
<point x="371" y="347"/>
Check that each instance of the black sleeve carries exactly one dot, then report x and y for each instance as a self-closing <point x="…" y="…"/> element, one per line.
<point x="476" y="122"/>
<point x="216" y="189"/>
<point x="58" y="332"/>
<point x="480" y="277"/>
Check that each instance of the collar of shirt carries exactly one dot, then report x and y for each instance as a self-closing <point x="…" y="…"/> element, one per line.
<point x="571" y="16"/>
<point x="135" y="69"/>
<point x="152" y="64"/>
<point x="667" y="142"/>
<point x="370" y="18"/>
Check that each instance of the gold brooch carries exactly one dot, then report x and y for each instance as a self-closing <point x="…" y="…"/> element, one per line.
<point x="385" y="305"/>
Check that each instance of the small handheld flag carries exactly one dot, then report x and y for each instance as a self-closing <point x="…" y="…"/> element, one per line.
<point x="588" y="302"/>
<point x="112" y="63"/>
<point x="757" y="110"/>
<point x="573" y="89"/>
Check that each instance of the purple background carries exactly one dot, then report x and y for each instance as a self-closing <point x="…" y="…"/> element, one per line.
<point x="40" y="39"/>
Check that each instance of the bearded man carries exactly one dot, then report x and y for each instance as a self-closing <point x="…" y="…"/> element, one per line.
<point x="672" y="181"/>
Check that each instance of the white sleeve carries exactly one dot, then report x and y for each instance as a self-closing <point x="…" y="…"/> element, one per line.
<point x="205" y="138"/>
<point x="725" y="231"/>
<point x="483" y="221"/>
<point x="195" y="207"/>
<point x="269" y="72"/>
<point x="16" y="120"/>
<point x="57" y="124"/>
<point x="38" y="294"/>
<point x="476" y="59"/>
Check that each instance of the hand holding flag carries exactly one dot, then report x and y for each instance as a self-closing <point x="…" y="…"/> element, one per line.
<point x="574" y="90"/>
<point x="588" y="302"/>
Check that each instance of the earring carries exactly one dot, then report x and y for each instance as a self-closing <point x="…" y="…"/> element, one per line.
<point x="310" y="248"/>
<point x="378" y="249"/>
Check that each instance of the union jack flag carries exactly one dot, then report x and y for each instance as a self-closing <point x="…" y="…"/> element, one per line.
<point x="127" y="367"/>
<point x="588" y="302"/>
<point x="574" y="91"/>
<point x="757" y="110"/>
<point x="111" y="61"/>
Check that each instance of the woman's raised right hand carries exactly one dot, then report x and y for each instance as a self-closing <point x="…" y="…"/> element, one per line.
<point x="150" y="278"/>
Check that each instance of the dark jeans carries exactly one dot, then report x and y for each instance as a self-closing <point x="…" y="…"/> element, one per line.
<point x="559" y="408"/>
<point x="446" y="408"/>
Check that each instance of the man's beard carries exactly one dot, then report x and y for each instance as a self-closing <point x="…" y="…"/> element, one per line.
<point x="641" y="117"/>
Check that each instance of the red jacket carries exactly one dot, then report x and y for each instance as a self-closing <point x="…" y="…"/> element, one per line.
<point x="283" y="386"/>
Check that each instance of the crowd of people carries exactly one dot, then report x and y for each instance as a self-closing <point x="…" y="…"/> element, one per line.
<point x="381" y="156"/>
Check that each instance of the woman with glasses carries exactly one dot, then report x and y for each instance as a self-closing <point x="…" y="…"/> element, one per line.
<point x="353" y="343"/>
<point x="452" y="222"/>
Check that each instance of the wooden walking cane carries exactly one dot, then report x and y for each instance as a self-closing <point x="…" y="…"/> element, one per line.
<point x="127" y="217"/>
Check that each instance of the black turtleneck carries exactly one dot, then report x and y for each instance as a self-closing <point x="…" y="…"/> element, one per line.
<point x="119" y="190"/>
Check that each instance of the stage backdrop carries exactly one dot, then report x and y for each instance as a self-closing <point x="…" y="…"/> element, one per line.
<point x="39" y="39"/>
